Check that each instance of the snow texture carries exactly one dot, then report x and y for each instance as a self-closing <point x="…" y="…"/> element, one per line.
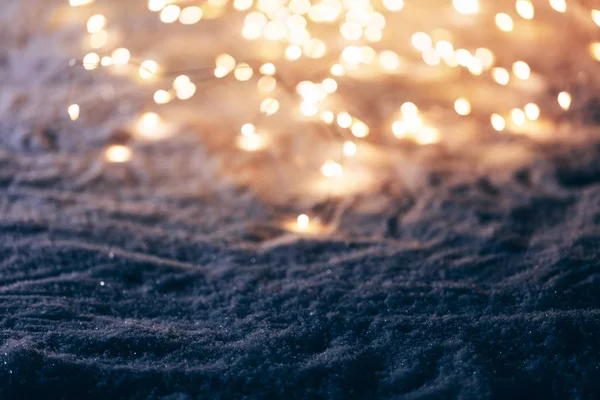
<point x="148" y="281"/>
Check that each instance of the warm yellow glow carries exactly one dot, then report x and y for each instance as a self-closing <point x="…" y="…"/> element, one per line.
<point x="352" y="55"/>
<point x="498" y="122"/>
<point x="120" y="56"/>
<point x="267" y="69"/>
<point x="185" y="91"/>
<point x="250" y="142"/>
<point x="532" y="111"/>
<point x="91" y="61"/>
<point x="421" y="41"/>
<point x="156" y="5"/>
<point x="399" y="129"/>
<point x="162" y="97"/>
<point x="148" y="69"/>
<point x="248" y="129"/>
<point x="118" y="154"/>
<point x="98" y="39"/>
<point x="344" y="120"/>
<point x="73" y="111"/>
<point x="225" y="62"/>
<point x="559" y="5"/>
<point x="303" y="221"/>
<point x="485" y="57"/>
<point x="525" y="9"/>
<point x="293" y="52"/>
<point x="501" y="75"/>
<point x="517" y="116"/>
<point x="462" y="106"/>
<point x="389" y="60"/>
<point x="595" y="50"/>
<point x="170" y="13"/>
<point x="190" y="15"/>
<point x="463" y="57"/>
<point x="466" y="6"/>
<point x="79" y="3"/>
<point x="332" y="169"/>
<point x="337" y="70"/>
<point x="349" y="148"/>
<point x="96" y="23"/>
<point x="431" y="57"/>
<point x="308" y="109"/>
<point x="504" y="22"/>
<point x="242" y="5"/>
<point x="149" y="120"/>
<point x="393" y="5"/>
<point x="243" y="72"/>
<point x="427" y="135"/>
<point x="564" y="100"/>
<point x="444" y="48"/>
<point x="310" y="60"/>
<point x="359" y="129"/>
<point x="521" y="70"/>
<point x="596" y="16"/>
<point x="329" y="85"/>
<point x="269" y="106"/>
<point x="328" y="117"/>
<point x="149" y="127"/>
<point x="409" y="108"/>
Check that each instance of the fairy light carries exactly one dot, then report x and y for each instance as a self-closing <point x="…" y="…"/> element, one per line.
<point x="393" y="5"/>
<point x="162" y="97"/>
<point x="485" y="57"/>
<point x="498" y="123"/>
<point x="501" y="75"/>
<point x="156" y="5"/>
<point x="190" y="15"/>
<point x="517" y="116"/>
<point x="80" y="3"/>
<point x="564" y="100"/>
<point x="98" y="39"/>
<point x="359" y="129"/>
<point x="170" y="13"/>
<point x="344" y="120"/>
<point x="504" y="22"/>
<point x="532" y="111"/>
<point x="118" y="154"/>
<point x="462" y="106"/>
<point x="148" y="69"/>
<point x="349" y="148"/>
<point x="305" y="64"/>
<point x="521" y="70"/>
<point x="328" y="117"/>
<point x="595" y="50"/>
<point x="466" y="7"/>
<point x="596" y="16"/>
<point x="269" y="106"/>
<point x="559" y="5"/>
<point x="525" y="9"/>
<point x="421" y="41"/>
<point x="399" y="129"/>
<point x="303" y="221"/>
<point x="331" y="169"/>
<point x="389" y="60"/>
<point x="120" y="56"/>
<point x="91" y="61"/>
<point x="96" y="23"/>
<point x="73" y="111"/>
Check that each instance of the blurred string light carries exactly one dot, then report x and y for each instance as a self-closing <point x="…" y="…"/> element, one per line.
<point x="345" y="39"/>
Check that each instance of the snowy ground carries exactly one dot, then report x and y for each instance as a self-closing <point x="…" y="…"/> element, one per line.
<point x="472" y="276"/>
